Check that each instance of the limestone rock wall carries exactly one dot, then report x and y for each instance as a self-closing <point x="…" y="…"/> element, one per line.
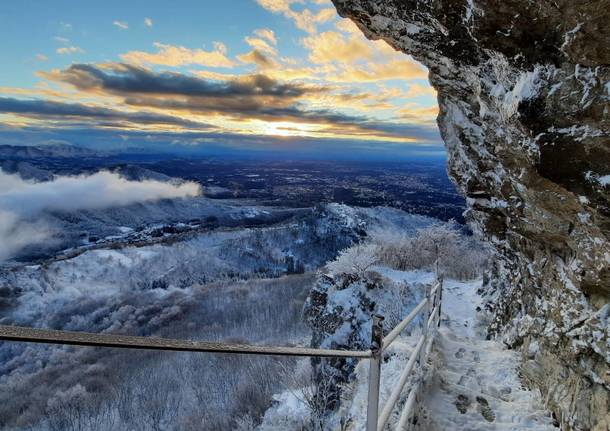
<point x="524" y="95"/>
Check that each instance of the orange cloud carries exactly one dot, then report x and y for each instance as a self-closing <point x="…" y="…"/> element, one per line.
<point x="405" y="69"/>
<point x="331" y="46"/>
<point x="66" y="50"/>
<point x="416" y="90"/>
<point x="346" y="25"/>
<point x="267" y="34"/>
<point x="419" y="115"/>
<point x="345" y="73"/>
<point x="175" y="56"/>
<point x="305" y="20"/>
<point x="260" y="45"/>
<point x="256" y="57"/>
<point x="278" y="6"/>
<point x="357" y="59"/>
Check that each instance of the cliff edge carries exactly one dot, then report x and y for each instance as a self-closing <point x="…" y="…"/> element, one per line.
<point x="524" y="96"/>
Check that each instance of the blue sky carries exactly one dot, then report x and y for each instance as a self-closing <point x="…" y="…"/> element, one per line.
<point x="244" y="74"/>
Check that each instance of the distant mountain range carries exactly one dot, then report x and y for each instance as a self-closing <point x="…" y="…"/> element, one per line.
<point x="55" y="150"/>
<point x="25" y="170"/>
<point x="17" y="160"/>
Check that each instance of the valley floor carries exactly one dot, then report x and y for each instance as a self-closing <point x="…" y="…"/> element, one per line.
<point x="476" y="384"/>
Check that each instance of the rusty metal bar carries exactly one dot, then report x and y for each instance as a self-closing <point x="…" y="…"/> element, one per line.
<point x="51" y="336"/>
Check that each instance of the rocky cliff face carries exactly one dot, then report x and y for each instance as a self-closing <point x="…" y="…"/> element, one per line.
<point x="524" y="96"/>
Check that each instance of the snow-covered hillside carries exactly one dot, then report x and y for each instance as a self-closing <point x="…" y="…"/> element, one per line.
<point x="246" y="284"/>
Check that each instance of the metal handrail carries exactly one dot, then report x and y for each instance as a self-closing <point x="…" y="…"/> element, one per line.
<point x="378" y="345"/>
<point x="52" y="336"/>
<point x="410" y="402"/>
<point x="406" y="412"/>
<point x="391" y="402"/>
<point x="374" y="422"/>
<point x="403" y="324"/>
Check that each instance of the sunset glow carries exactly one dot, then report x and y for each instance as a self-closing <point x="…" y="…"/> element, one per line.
<point x="272" y="69"/>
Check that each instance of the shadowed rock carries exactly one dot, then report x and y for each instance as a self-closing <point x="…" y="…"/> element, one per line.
<point x="524" y="93"/>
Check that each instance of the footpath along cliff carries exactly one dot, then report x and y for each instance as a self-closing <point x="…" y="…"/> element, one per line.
<point x="524" y="96"/>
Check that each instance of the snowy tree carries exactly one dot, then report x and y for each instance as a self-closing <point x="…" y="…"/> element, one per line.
<point x="457" y="255"/>
<point x="354" y="260"/>
<point x="438" y="241"/>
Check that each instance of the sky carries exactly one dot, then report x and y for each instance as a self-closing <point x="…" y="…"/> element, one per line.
<point x="284" y="76"/>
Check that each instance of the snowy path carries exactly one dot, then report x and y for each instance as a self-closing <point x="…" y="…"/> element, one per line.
<point x="476" y="386"/>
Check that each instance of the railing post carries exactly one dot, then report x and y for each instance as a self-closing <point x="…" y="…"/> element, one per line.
<point x="372" y="411"/>
<point x="425" y="317"/>
<point x="440" y="300"/>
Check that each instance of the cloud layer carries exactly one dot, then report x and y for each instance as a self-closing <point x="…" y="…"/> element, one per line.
<point x="318" y="78"/>
<point x="244" y="98"/>
<point x="65" y="111"/>
<point x="22" y="202"/>
<point x="123" y="79"/>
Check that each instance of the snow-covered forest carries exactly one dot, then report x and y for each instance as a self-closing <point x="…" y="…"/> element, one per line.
<point x="245" y="285"/>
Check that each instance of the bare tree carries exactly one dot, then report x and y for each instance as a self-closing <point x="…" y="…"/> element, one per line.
<point x="438" y="241"/>
<point x="78" y="410"/>
<point x="157" y="399"/>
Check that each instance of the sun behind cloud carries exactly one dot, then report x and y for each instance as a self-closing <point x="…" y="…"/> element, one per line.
<point x="319" y="79"/>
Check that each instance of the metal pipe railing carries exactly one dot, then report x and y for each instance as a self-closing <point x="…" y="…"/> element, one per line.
<point x="403" y="324"/>
<point x="395" y="394"/>
<point x="406" y="412"/>
<point x="433" y="300"/>
<point x="391" y="402"/>
<point x="52" y="336"/>
<point x="372" y="409"/>
<point x="410" y="402"/>
<point x="378" y="345"/>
